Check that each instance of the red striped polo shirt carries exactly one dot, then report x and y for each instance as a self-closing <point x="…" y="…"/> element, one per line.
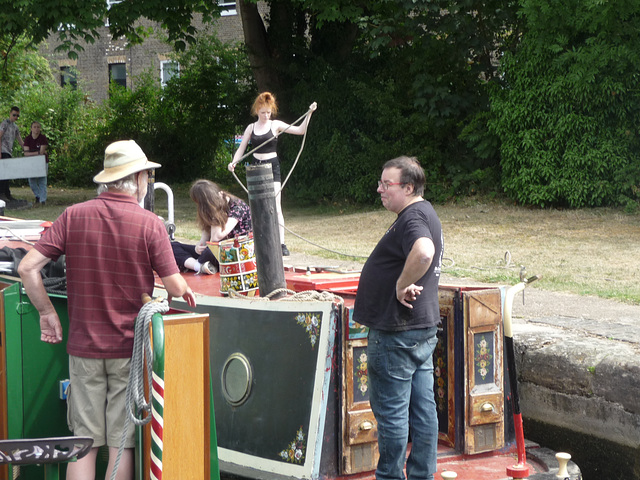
<point x="112" y="248"/>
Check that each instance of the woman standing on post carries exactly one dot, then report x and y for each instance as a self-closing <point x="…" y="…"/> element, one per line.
<point x="36" y="144"/>
<point x="221" y="215"/>
<point x="264" y="107"/>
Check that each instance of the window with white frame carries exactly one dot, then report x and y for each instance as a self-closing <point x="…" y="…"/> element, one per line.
<point x="168" y="70"/>
<point x="227" y="8"/>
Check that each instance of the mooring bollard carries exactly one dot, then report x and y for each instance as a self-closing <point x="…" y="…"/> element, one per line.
<point x="264" y="219"/>
<point x="563" y="459"/>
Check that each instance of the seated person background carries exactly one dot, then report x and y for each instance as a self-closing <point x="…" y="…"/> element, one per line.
<point x="220" y="216"/>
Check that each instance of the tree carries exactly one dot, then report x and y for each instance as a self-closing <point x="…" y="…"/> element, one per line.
<point x="569" y="111"/>
<point x="423" y="66"/>
<point x="464" y="36"/>
<point x="75" y="22"/>
<point x="23" y="67"/>
<point x="292" y="34"/>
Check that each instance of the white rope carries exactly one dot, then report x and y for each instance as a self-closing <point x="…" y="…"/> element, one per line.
<point x="507" y="263"/>
<point x="304" y="138"/>
<point x="271" y="140"/>
<point x="135" y="399"/>
<point x="19" y="237"/>
<point x="323" y="248"/>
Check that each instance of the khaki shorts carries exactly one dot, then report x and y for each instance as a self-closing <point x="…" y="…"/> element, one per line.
<point x="97" y="398"/>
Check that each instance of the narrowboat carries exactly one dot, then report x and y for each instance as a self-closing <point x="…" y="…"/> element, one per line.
<point x="270" y="388"/>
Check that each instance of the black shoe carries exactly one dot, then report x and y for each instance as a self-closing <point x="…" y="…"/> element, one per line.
<point x="285" y="251"/>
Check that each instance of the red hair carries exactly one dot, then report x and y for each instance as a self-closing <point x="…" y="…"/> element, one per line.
<point x="265" y="99"/>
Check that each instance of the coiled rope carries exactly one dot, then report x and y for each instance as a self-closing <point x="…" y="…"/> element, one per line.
<point x="55" y="285"/>
<point x="291" y="296"/>
<point x="135" y="399"/>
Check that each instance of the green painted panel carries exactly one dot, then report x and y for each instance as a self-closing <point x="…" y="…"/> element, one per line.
<point x="44" y="366"/>
<point x="13" y="339"/>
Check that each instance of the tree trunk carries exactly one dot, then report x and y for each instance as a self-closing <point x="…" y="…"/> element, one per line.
<point x="255" y="38"/>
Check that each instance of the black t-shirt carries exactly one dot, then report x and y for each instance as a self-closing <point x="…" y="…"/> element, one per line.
<point x="376" y="304"/>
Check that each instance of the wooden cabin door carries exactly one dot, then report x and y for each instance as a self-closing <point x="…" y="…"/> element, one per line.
<point x="359" y="430"/>
<point x="484" y="387"/>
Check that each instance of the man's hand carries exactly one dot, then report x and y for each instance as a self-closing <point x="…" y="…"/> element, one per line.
<point x="189" y="297"/>
<point x="408" y="294"/>
<point x="50" y="328"/>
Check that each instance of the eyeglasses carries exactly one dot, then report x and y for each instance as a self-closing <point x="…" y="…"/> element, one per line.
<point x="386" y="185"/>
<point x="15" y="115"/>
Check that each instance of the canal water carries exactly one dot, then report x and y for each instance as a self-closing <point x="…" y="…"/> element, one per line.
<point x="598" y="459"/>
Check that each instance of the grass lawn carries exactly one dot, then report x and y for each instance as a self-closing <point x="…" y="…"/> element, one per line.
<point x="588" y="252"/>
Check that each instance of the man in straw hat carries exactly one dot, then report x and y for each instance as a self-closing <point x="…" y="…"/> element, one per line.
<point x="112" y="248"/>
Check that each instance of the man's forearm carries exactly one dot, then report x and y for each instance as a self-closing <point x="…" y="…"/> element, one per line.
<point x="36" y="292"/>
<point x="417" y="263"/>
<point x="29" y="271"/>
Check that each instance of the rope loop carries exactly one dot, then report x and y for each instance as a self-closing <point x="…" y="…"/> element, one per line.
<point x="304" y="137"/>
<point x="135" y="399"/>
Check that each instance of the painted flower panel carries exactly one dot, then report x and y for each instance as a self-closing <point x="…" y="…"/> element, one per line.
<point x="311" y="323"/>
<point x="362" y="374"/>
<point x="295" y="451"/>
<point x="483" y="358"/>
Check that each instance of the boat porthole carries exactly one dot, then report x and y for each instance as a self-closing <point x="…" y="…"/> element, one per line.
<point x="237" y="377"/>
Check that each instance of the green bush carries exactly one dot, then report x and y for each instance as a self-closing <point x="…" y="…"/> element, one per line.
<point x="188" y="125"/>
<point x="70" y="125"/>
<point x="568" y="114"/>
<point x="365" y="117"/>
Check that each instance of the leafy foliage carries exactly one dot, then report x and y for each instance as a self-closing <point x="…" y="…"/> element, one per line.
<point x="537" y="97"/>
<point x="21" y="66"/>
<point x="77" y="22"/>
<point x="187" y="126"/>
<point x="568" y="114"/>
<point x="69" y="124"/>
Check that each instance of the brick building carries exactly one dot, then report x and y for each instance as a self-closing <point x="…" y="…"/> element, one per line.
<point x="108" y="59"/>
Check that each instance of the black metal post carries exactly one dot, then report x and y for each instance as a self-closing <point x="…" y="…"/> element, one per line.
<point x="150" y="197"/>
<point x="262" y="201"/>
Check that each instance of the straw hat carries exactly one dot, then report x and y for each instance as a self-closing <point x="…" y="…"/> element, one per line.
<point x="121" y="159"/>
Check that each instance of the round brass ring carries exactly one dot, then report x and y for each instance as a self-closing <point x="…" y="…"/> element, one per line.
<point x="236" y="379"/>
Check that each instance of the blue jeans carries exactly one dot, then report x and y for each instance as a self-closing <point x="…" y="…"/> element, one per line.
<point x="39" y="188"/>
<point x="400" y="372"/>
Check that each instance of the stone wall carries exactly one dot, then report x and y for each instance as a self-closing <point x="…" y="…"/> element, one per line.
<point x="589" y="384"/>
